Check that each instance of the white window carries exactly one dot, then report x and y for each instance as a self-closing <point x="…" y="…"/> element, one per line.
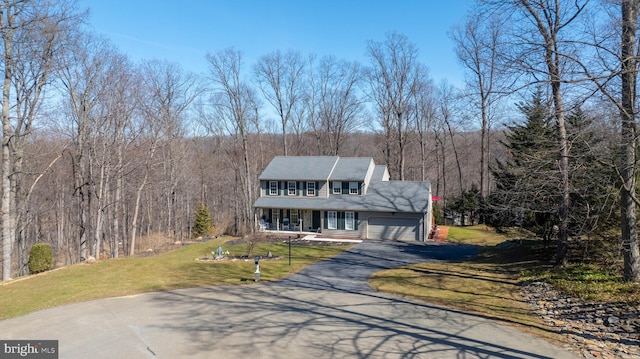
<point x="332" y="220"/>
<point x="311" y="188"/>
<point x="275" y="216"/>
<point x="353" y="187"/>
<point x="294" y="217"/>
<point x="348" y="221"/>
<point x="337" y="187"/>
<point x="273" y="188"/>
<point x="291" y="186"/>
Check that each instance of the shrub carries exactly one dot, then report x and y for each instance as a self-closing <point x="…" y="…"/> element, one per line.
<point x="40" y="258"/>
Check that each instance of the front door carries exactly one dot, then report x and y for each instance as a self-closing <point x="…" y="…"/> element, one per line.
<point x="307" y="220"/>
<point x="316" y="220"/>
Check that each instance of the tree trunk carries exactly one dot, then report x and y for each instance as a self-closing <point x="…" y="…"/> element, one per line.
<point x="631" y="250"/>
<point x="8" y="233"/>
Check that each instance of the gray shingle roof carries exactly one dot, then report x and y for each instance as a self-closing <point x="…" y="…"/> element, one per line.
<point x="381" y="196"/>
<point x="351" y="169"/>
<point x="317" y="168"/>
<point x="299" y="168"/>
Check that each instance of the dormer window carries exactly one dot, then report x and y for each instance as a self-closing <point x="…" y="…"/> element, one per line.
<point x="337" y="187"/>
<point x="353" y="187"/>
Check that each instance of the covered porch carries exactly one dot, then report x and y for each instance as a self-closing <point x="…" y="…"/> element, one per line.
<point x="290" y="220"/>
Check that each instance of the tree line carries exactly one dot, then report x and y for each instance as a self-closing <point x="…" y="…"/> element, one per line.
<point x="99" y="152"/>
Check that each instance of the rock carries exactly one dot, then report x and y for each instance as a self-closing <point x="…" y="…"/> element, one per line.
<point x="592" y="330"/>
<point x="612" y="320"/>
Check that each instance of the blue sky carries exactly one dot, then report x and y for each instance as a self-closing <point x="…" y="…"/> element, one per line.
<point x="184" y="31"/>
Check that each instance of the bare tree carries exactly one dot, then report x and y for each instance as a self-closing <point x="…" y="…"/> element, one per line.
<point x="166" y="93"/>
<point x="338" y="105"/>
<point x="236" y="108"/>
<point x="478" y="47"/>
<point x="280" y="78"/>
<point x="84" y="79"/>
<point x="31" y="33"/>
<point x="424" y="116"/>
<point x="612" y="67"/>
<point x="628" y="172"/>
<point x="393" y="79"/>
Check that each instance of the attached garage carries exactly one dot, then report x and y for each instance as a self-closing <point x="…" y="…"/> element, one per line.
<point x="402" y="229"/>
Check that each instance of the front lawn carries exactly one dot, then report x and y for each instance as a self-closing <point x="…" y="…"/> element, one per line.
<point x="172" y="270"/>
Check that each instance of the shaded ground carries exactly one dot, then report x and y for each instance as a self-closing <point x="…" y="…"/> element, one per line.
<point x="327" y="310"/>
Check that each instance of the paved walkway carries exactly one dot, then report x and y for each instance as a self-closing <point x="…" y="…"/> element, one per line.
<point x="325" y="311"/>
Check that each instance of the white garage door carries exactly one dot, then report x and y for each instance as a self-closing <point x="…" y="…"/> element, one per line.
<point x="403" y="229"/>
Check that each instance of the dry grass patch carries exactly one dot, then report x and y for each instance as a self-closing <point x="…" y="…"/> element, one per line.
<point x="487" y="285"/>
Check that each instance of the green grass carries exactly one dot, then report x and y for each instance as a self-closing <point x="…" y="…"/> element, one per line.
<point x="592" y="282"/>
<point x="478" y="235"/>
<point x="172" y="270"/>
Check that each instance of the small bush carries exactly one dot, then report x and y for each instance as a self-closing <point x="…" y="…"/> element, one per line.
<point x="40" y="258"/>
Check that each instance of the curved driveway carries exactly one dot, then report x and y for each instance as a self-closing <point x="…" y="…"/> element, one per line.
<point x="325" y="311"/>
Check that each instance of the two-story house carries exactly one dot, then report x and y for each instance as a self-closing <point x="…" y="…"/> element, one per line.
<point x="342" y="196"/>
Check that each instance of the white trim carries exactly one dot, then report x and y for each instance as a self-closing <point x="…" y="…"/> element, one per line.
<point x="271" y="188"/>
<point x="289" y="189"/>
<point x="337" y="185"/>
<point x="332" y="220"/>
<point x="311" y="190"/>
<point x="349" y="223"/>
<point x="352" y="186"/>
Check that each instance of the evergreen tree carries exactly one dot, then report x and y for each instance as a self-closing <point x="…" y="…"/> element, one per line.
<point x="526" y="192"/>
<point x="527" y="184"/>
<point x="467" y="205"/>
<point x="202" y="222"/>
<point x="594" y="195"/>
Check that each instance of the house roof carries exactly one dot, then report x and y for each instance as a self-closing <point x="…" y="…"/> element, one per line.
<point x="317" y="168"/>
<point x="351" y="169"/>
<point x="382" y="196"/>
<point x="299" y="168"/>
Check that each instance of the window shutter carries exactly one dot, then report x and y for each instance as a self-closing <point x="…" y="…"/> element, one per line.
<point x="325" y="224"/>
<point x="355" y="221"/>
<point x="340" y="216"/>
<point x="345" y="187"/>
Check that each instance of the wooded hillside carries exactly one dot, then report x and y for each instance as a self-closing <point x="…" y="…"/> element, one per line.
<point x="100" y="153"/>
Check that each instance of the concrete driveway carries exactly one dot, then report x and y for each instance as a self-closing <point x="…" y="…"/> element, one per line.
<point x="325" y="311"/>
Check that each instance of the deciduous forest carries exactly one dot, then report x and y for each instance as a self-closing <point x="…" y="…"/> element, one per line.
<point x="100" y="153"/>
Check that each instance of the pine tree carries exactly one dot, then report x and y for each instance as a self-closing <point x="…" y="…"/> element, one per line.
<point x="527" y="183"/>
<point x="526" y="191"/>
<point x="202" y="222"/>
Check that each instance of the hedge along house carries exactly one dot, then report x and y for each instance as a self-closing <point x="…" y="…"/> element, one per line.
<point x="340" y="196"/>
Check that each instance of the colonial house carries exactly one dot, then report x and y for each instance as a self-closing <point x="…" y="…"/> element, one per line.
<point x="342" y="196"/>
